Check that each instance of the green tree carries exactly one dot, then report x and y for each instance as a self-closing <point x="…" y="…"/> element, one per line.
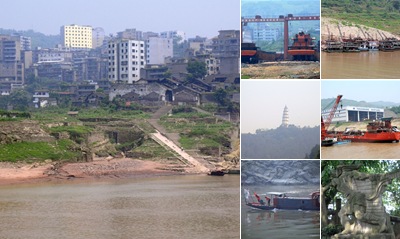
<point x="196" y="70"/>
<point x="221" y="96"/>
<point x="20" y="100"/>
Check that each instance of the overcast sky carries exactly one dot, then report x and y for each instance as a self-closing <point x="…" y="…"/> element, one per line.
<point x="362" y="90"/>
<point x="262" y="103"/>
<point x="195" y="17"/>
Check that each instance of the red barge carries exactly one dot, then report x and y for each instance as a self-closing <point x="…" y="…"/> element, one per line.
<point x="377" y="132"/>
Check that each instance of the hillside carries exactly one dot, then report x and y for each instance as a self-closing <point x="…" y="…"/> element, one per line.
<point x="330" y="27"/>
<point x="276" y="8"/>
<point x="38" y="39"/>
<point x="348" y="102"/>
<point x="380" y="14"/>
<point x="281" y="143"/>
<point x="261" y="172"/>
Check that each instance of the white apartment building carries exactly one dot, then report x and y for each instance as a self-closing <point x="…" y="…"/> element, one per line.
<point x="125" y="59"/>
<point x="157" y="49"/>
<point x="76" y="36"/>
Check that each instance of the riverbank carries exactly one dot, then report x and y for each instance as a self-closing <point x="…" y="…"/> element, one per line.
<point x="282" y="70"/>
<point x="99" y="168"/>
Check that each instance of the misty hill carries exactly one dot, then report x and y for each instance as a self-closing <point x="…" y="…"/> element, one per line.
<point x="347" y="102"/>
<point x="38" y="39"/>
<point x="278" y="7"/>
<point x="281" y="143"/>
<point x="261" y="172"/>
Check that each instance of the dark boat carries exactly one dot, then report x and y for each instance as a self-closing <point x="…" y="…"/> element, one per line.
<point x="327" y="142"/>
<point x="217" y="173"/>
<point x="276" y="200"/>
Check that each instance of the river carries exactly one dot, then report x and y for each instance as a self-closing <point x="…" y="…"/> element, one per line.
<point x="362" y="151"/>
<point x="282" y="224"/>
<point x="362" y="65"/>
<point x="162" y="207"/>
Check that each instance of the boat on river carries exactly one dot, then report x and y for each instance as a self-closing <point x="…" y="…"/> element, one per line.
<point x="377" y="132"/>
<point x="278" y="200"/>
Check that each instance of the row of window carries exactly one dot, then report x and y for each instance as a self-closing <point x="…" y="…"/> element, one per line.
<point x="122" y="76"/>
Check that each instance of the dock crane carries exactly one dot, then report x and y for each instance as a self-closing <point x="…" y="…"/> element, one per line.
<point x="325" y="125"/>
<point x="381" y="35"/>
<point x="340" y="32"/>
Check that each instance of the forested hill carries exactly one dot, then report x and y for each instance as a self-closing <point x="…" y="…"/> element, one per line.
<point x="38" y="39"/>
<point x="380" y="14"/>
<point x="261" y="172"/>
<point x="281" y="143"/>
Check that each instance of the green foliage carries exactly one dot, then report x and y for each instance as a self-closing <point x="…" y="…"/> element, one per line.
<point x="196" y="69"/>
<point x="379" y="14"/>
<point x="198" y="130"/>
<point x="182" y="109"/>
<point x="59" y="150"/>
<point x="331" y="230"/>
<point x="150" y="150"/>
<point x="20" y="100"/>
<point x="77" y="133"/>
<point x="221" y="96"/>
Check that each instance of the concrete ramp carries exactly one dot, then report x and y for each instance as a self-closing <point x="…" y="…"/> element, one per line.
<point x="161" y="139"/>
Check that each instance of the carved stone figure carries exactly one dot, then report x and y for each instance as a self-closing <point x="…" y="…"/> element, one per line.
<point x="363" y="215"/>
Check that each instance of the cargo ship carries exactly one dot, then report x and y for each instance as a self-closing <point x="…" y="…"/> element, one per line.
<point x="278" y="200"/>
<point x="377" y="132"/>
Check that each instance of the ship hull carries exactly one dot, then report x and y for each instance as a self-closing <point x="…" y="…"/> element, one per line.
<point x="289" y="204"/>
<point x="383" y="137"/>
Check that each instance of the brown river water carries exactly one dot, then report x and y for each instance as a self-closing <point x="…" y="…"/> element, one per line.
<point x="362" y="65"/>
<point x="197" y="206"/>
<point x="362" y="151"/>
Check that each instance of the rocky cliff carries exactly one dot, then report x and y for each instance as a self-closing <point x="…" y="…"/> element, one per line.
<point x="285" y="172"/>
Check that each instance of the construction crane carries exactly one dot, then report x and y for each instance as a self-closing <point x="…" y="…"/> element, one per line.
<point x="325" y="125"/>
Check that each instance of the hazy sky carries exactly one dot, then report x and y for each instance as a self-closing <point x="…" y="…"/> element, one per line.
<point x="362" y="90"/>
<point x="262" y="103"/>
<point x="195" y="17"/>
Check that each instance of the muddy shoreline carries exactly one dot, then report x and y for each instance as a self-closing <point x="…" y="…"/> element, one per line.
<point x="97" y="170"/>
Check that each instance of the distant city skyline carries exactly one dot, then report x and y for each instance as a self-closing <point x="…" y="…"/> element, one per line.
<point x="263" y="102"/>
<point x="195" y="17"/>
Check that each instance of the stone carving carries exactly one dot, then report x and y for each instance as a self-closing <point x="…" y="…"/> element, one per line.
<point x="363" y="215"/>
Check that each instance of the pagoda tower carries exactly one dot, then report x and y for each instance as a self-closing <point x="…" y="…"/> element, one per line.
<point x="285" y="117"/>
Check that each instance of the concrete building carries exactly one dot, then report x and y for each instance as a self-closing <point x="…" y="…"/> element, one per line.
<point x="98" y="36"/>
<point x="76" y="36"/>
<point x="180" y="35"/>
<point x="354" y="114"/>
<point x="11" y="67"/>
<point x="125" y="59"/>
<point x="226" y="47"/>
<point x="264" y="32"/>
<point x="53" y="55"/>
<point x="157" y="49"/>
<point x="131" y="34"/>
